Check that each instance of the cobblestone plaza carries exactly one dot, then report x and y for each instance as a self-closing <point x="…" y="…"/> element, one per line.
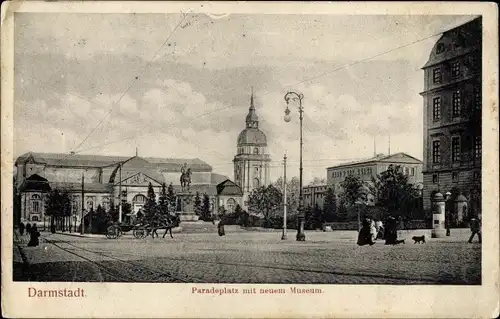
<point x="250" y="257"/>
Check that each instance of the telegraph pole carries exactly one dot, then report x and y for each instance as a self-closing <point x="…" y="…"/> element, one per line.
<point x="120" y="195"/>
<point x="82" y="230"/>
<point x="283" y="236"/>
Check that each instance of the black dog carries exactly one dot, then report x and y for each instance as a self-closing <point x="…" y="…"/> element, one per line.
<point x="399" y="241"/>
<point x="419" y="239"/>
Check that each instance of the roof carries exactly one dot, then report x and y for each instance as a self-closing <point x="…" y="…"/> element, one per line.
<point x="218" y="178"/>
<point x="74" y="160"/>
<point x="455" y="42"/>
<point x="229" y="188"/>
<point x="394" y="158"/>
<point x="253" y="136"/>
<point x="35" y="183"/>
<point x="77" y="187"/>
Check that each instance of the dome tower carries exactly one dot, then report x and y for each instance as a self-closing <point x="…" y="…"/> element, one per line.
<point x="251" y="163"/>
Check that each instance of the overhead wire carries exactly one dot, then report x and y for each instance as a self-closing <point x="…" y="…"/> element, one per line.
<point x="226" y="107"/>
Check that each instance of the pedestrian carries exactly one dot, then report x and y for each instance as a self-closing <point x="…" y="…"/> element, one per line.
<point x="391" y="232"/>
<point x="475" y="228"/>
<point x="220" y="228"/>
<point x="28" y="228"/>
<point x="365" y="233"/>
<point x="34" y="234"/>
<point x="21" y="228"/>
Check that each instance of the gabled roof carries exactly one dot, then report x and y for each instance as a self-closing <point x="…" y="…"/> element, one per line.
<point x="229" y="188"/>
<point x="75" y="160"/>
<point x="218" y="178"/>
<point x="394" y="158"/>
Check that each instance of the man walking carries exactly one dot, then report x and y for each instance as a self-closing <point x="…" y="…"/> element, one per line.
<point x="475" y="228"/>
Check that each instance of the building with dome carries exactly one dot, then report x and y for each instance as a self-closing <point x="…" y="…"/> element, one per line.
<point x="452" y="117"/>
<point x="251" y="163"/>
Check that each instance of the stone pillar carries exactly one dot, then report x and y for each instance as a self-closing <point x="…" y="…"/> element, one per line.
<point x="438" y="216"/>
<point x="461" y="207"/>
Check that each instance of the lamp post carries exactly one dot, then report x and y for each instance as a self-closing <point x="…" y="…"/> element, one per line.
<point x="294" y="97"/>
<point x="283" y="236"/>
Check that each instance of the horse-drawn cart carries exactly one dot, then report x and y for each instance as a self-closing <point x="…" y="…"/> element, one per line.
<point x="116" y="230"/>
<point x="143" y="229"/>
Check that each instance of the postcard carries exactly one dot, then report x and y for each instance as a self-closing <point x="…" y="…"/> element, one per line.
<point x="249" y="160"/>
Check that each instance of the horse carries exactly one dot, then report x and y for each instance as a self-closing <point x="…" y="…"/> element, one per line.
<point x="166" y="224"/>
<point x="186" y="179"/>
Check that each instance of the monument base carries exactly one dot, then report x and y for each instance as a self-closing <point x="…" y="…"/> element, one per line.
<point x="438" y="233"/>
<point x="188" y="217"/>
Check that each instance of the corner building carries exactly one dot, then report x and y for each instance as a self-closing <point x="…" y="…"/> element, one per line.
<point x="251" y="163"/>
<point x="452" y="116"/>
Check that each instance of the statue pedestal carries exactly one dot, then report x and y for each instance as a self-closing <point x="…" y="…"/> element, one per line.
<point x="187" y="207"/>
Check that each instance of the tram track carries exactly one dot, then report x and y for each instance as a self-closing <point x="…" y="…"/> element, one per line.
<point x="120" y="273"/>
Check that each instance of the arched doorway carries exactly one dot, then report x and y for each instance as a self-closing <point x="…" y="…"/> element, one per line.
<point x="138" y="202"/>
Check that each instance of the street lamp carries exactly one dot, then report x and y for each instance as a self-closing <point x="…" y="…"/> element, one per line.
<point x="292" y="96"/>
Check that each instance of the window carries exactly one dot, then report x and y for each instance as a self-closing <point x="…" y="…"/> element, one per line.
<point x="256" y="150"/>
<point x="455" y="69"/>
<point x="436" y="75"/>
<point x="477" y="147"/>
<point x="412" y="171"/>
<point x="435" y="178"/>
<point x="35" y="203"/>
<point x="456" y="104"/>
<point x="436" y="108"/>
<point x="436" y="221"/>
<point x="440" y="48"/>
<point x="454" y="177"/>
<point x="477" y="98"/>
<point x="436" y="152"/>
<point x="256" y="183"/>
<point x="34" y="218"/>
<point x="455" y="148"/>
<point x="231" y="204"/>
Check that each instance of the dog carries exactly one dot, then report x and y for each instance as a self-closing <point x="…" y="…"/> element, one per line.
<point x="419" y="239"/>
<point x="399" y="241"/>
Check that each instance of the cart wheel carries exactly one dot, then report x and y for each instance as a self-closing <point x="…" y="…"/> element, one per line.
<point x="112" y="232"/>
<point x="140" y="232"/>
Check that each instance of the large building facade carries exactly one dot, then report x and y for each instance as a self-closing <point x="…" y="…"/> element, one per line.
<point x="251" y="162"/>
<point x="452" y="116"/>
<point x="102" y="179"/>
<point x="367" y="169"/>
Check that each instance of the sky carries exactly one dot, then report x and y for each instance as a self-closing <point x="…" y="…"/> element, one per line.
<point x="179" y="86"/>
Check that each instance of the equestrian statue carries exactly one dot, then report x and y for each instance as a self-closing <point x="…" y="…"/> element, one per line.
<point x="185" y="177"/>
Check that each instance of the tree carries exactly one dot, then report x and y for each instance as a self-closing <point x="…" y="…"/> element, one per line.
<point x="318" y="217"/>
<point x="163" y="200"/>
<point x="266" y="201"/>
<point x="57" y="206"/>
<point x="394" y="192"/>
<point x="197" y="204"/>
<point x="292" y="194"/>
<point x="205" y="208"/>
<point x="150" y="207"/>
<point x="330" y="205"/>
<point x="100" y="220"/>
<point x="354" y="190"/>
<point x="171" y="199"/>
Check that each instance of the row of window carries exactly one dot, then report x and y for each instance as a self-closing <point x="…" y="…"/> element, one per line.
<point x="455" y="149"/>
<point x="456" y="104"/>
<point x="359" y="171"/>
<point x="456" y="69"/>
<point x="410" y="171"/>
<point x="455" y="177"/>
<point x="241" y="150"/>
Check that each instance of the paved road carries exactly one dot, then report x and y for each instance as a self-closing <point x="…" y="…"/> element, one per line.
<point x="251" y="257"/>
